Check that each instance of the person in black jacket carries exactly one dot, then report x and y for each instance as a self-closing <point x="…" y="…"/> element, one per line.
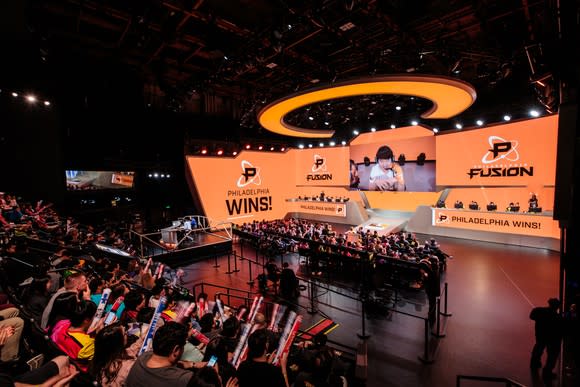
<point x="549" y="326"/>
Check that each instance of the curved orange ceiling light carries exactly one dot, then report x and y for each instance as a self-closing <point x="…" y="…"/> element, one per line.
<point x="449" y="96"/>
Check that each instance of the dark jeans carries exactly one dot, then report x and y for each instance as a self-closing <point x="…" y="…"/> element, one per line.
<point x="553" y="350"/>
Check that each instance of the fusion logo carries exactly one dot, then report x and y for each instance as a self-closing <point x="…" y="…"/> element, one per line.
<point x="501" y="150"/>
<point x="442" y="218"/>
<point x="318" y="167"/>
<point x="319" y="164"/>
<point x="250" y="175"/>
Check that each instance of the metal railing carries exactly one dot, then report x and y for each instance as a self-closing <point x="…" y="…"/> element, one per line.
<point x="505" y="381"/>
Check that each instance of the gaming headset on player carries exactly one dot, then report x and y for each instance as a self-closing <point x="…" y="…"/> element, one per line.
<point x="385" y="152"/>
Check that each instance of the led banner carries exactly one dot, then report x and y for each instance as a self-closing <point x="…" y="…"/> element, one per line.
<point x="516" y="223"/>
<point x="515" y="154"/>
<point x="322" y="167"/>
<point x="254" y="185"/>
<point x="318" y="208"/>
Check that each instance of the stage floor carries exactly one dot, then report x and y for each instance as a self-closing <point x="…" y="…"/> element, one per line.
<point x="492" y="289"/>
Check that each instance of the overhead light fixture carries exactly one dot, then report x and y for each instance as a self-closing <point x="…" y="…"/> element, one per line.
<point x="260" y="147"/>
<point x="479" y="122"/>
<point x="397" y="108"/>
<point x="309" y="145"/>
<point x="315" y="80"/>
<point x="248" y="146"/>
<point x="14" y="94"/>
<point x="150" y="175"/>
<point x="332" y="143"/>
<point x="458" y="126"/>
<point x="46" y="103"/>
<point x="355" y="132"/>
<point x="155" y="175"/>
<point x="271" y="148"/>
<point x="414" y="123"/>
<point x="30" y="98"/>
<point x="321" y="145"/>
<point x="347" y="26"/>
<point x="282" y="149"/>
<point x="343" y="142"/>
<point x="234" y="153"/>
<point x="168" y="176"/>
<point x="507" y="117"/>
<point x="203" y="152"/>
<point x="301" y="146"/>
<point x="435" y="130"/>
<point x="393" y="126"/>
<point x="220" y="152"/>
<point x="534" y="113"/>
<point x="326" y="123"/>
<point x="311" y="118"/>
<point x="373" y="129"/>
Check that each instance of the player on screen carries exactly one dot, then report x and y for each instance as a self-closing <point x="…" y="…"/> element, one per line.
<point x="386" y="175"/>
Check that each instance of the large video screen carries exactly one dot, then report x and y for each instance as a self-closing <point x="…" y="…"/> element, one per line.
<point x="380" y="163"/>
<point x="98" y="180"/>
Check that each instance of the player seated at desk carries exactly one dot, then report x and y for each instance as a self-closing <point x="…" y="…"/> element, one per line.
<point x="458" y="204"/>
<point x="513" y="207"/>
<point x="492" y="206"/>
<point x="473" y="205"/>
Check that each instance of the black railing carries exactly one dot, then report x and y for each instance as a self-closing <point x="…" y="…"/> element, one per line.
<point x="505" y="381"/>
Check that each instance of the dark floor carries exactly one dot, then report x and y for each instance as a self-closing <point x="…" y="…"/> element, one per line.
<point x="492" y="289"/>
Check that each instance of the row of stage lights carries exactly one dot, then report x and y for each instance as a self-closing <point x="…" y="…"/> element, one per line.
<point x="158" y="175"/>
<point x="29" y="98"/>
<point x="222" y="152"/>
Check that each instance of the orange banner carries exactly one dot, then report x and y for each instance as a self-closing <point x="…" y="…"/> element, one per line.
<point x="322" y="167"/>
<point x="502" y="222"/>
<point x="254" y="185"/>
<point x="515" y="154"/>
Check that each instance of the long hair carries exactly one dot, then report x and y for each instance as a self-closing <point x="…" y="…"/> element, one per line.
<point x="109" y="353"/>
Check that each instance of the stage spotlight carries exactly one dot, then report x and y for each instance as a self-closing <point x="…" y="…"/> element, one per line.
<point x="332" y="143"/>
<point x="421" y="158"/>
<point x="271" y="148"/>
<point x="204" y="151"/>
<point x="248" y="146"/>
<point x="14" y="94"/>
<point x="401" y="159"/>
<point x="343" y="142"/>
<point x="220" y="152"/>
<point x="46" y="103"/>
<point x="355" y="132"/>
<point x="311" y="118"/>
<point x="479" y="122"/>
<point x="393" y="126"/>
<point x="507" y="117"/>
<point x="30" y="98"/>
<point x="321" y="145"/>
<point x="150" y="175"/>
<point x="156" y="175"/>
<point x="414" y="123"/>
<point x="534" y="113"/>
<point x="458" y="126"/>
<point x="326" y="123"/>
<point x="301" y="146"/>
<point x="260" y="147"/>
<point x="162" y="175"/>
<point x="282" y="149"/>
<point x="168" y="176"/>
<point x="373" y="129"/>
<point x="397" y="108"/>
<point x="435" y="130"/>
<point x="234" y="153"/>
<point x="309" y="145"/>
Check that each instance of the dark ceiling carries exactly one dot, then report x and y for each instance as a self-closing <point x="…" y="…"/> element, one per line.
<point x="228" y="58"/>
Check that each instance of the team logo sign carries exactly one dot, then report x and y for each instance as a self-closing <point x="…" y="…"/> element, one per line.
<point x="319" y="164"/>
<point x="503" y="154"/>
<point x="501" y="150"/>
<point x="442" y="218"/>
<point x="250" y="175"/>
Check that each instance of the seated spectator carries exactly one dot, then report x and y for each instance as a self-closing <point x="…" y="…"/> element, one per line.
<point x="158" y="368"/>
<point x="71" y="335"/>
<point x="36" y="296"/>
<point x="209" y="377"/>
<point x="112" y="361"/>
<point x="75" y="284"/>
<point x="55" y="373"/>
<point x="11" y="327"/>
<point x="257" y="371"/>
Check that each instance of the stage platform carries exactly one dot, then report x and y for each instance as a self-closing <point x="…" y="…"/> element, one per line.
<point x="385" y="222"/>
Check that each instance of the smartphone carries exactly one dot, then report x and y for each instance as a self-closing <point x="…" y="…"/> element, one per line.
<point x="212" y="361"/>
<point x="110" y="318"/>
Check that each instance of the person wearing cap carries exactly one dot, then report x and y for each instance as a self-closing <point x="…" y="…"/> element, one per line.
<point x="548" y="329"/>
<point x="386" y="175"/>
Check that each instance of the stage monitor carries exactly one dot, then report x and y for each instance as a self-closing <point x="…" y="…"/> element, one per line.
<point x="394" y="160"/>
<point x="98" y="180"/>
